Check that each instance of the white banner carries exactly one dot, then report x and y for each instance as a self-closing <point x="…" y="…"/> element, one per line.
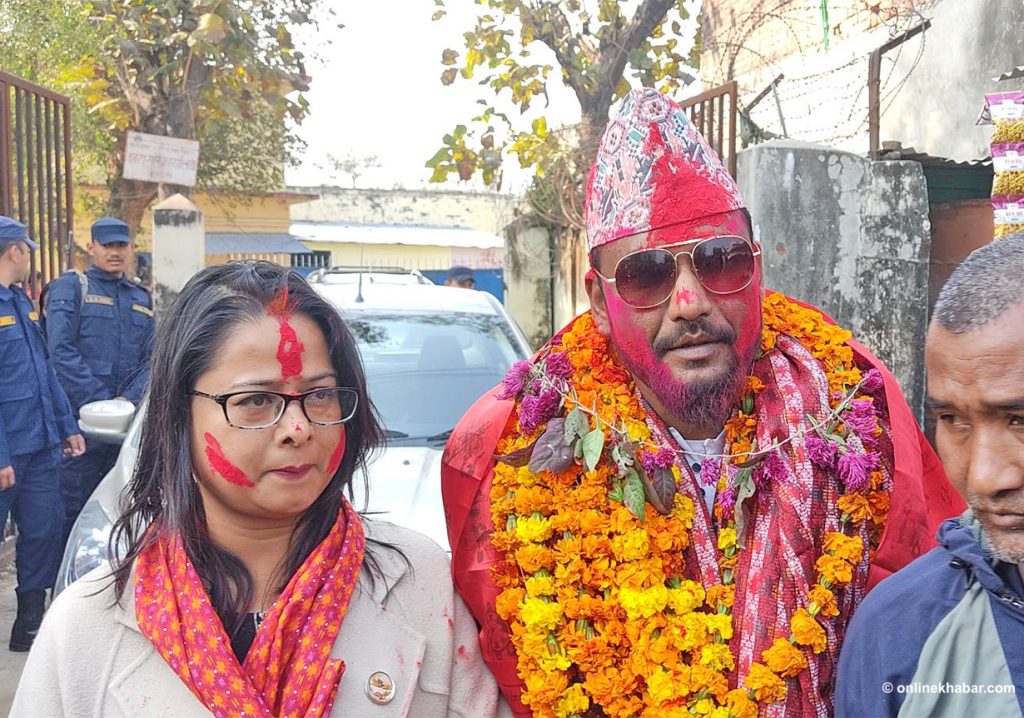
<point x="166" y="160"/>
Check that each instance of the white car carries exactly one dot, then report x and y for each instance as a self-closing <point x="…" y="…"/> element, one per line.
<point x="429" y="353"/>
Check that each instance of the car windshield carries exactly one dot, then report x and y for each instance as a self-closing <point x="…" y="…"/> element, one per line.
<point x="424" y="371"/>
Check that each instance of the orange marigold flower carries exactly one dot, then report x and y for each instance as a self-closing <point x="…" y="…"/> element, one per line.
<point x="879" y="503"/>
<point x="720" y="596"/>
<point x="848" y="548"/>
<point x="834" y="570"/>
<point x="507" y="603"/>
<point x="855" y="506"/>
<point x="739" y="703"/>
<point x="533" y="557"/>
<point x="784" y="658"/>
<point x="824" y="599"/>
<point x="807" y="631"/>
<point x="767" y="687"/>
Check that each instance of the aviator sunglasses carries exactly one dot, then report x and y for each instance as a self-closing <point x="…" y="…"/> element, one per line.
<point x="647" y="277"/>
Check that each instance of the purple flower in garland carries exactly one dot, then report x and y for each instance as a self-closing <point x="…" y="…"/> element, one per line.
<point x="663" y="458"/>
<point x="860" y="419"/>
<point x="770" y="469"/>
<point x="710" y="471"/>
<point x="821" y="452"/>
<point x="855" y="469"/>
<point x="558" y="366"/>
<point x="537" y="410"/>
<point x="514" y="382"/>
<point x="726" y="500"/>
<point x="873" y="382"/>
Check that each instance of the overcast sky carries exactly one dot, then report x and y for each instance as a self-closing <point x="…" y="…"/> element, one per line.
<point x="377" y="91"/>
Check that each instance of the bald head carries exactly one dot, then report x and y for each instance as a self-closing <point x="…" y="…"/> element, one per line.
<point x="983" y="287"/>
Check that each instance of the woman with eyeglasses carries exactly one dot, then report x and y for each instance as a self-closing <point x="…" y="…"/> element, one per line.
<point x="247" y="585"/>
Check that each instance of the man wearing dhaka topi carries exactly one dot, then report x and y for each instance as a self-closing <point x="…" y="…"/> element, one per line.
<point x="677" y="505"/>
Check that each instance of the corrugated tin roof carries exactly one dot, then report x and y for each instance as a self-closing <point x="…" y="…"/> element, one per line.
<point x="258" y="243"/>
<point x="1012" y="74"/>
<point x="909" y="153"/>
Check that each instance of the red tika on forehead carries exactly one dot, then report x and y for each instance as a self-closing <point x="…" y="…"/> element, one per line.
<point x="289" y="348"/>
<point x="280" y="305"/>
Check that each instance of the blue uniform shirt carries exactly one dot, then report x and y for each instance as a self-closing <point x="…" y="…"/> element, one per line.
<point x="34" y="410"/>
<point x="100" y="343"/>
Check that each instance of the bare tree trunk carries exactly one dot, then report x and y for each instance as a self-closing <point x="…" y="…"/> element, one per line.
<point x="129" y="200"/>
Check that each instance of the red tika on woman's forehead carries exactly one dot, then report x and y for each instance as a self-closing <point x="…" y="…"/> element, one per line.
<point x="653" y="169"/>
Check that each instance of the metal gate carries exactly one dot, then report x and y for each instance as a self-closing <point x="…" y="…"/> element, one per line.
<point x="35" y="172"/>
<point x="714" y="114"/>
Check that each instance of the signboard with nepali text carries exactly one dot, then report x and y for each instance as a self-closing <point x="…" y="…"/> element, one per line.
<point x="166" y="160"/>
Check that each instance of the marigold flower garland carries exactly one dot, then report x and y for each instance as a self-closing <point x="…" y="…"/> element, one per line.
<point x="593" y="532"/>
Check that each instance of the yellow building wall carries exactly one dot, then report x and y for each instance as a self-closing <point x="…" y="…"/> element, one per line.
<point x="221" y="213"/>
<point x="385" y="255"/>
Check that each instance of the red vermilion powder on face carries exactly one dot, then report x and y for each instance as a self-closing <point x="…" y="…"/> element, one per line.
<point x="337" y="456"/>
<point x="685" y="296"/>
<point x="222" y="465"/>
<point x="289" y="348"/>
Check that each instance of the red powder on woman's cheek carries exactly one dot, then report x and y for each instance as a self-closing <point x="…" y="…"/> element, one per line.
<point x="337" y="456"/>
<point x="222" y="465"/>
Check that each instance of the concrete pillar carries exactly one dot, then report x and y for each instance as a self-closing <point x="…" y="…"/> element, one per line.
<point x="179" y="247"/>
<point x="850" y="236"/>
<point x="529" y="279"/>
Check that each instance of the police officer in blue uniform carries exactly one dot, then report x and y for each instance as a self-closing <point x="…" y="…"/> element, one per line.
<point x="35" y="419"/>
<point x="99" y="327"/>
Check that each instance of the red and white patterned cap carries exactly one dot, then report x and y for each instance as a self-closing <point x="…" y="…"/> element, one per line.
<point x="653" y="169"/>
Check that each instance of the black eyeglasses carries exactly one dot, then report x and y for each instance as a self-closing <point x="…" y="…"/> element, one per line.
<point x="263" y="409"/>
<point x="647" y="277"/>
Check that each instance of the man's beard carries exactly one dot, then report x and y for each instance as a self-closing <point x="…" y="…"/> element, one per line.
<point x="703" y="404"/>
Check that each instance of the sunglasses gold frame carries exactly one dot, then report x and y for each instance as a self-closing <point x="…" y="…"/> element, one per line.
<point x="754" y="248"/>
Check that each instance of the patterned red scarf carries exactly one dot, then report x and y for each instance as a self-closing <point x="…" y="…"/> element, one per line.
<point x="287" y="671"/>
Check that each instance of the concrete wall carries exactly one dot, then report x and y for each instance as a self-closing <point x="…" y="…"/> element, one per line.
<point x="969" y="44"/>
<point x="486" y="211"/>
<point x="852" y="237"/>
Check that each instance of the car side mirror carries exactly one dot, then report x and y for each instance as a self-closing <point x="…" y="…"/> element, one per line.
<point x="106" y="421"/>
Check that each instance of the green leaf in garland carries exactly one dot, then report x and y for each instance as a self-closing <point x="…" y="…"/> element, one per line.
<point x="633" y="494"/>
<point x="575" y="425"/>
<point x="616" y="493"/>
<point x="593" y="445"/>
<point x="660" y="488"/>
<point x="744" y="490"/>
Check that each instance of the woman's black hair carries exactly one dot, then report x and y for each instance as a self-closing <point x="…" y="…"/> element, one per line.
<point x="163" y="492"/>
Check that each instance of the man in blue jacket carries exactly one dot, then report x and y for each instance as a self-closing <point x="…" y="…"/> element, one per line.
<point x="945" y="636"/>
<point x="35" y="419"/>
<point x="99" y="327"/>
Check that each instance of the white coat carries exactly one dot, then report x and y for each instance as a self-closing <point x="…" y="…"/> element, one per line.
<point x="90" y="659"/>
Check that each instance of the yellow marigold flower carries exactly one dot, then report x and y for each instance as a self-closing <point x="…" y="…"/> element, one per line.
<point x="784" y="658"/>
<point x="533" y="529"/>
<point x="663" y="686"/>
<point x="540" y="586"/>
<point x="720" y="713"/>
<point x="807" y="631"/>
<point x="703" y="707"/>
<point x="540" y="615"/>
<point x="542" y="688"/>
<point x="694" y="631"/>
<point x="720" y="596"/>
<point x="683" y="508"/>
<point x="707" y="679"/>
<point x="632" y="545"/>
<point x="856" y="506"/>
<point x="739" y="703"/>
<point x="686" y="598"/>
<point x="727" y="538"/>
<point x="834" y="570"/>
<point x="824" y="599"/>
<point x="767" y="687"/>
<point x="720" y="623"/>
<point x="573" y="702"/>
<point x="717" y="657"/>
<point x="643" y="603"/>
<point x="849" y="548"/>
